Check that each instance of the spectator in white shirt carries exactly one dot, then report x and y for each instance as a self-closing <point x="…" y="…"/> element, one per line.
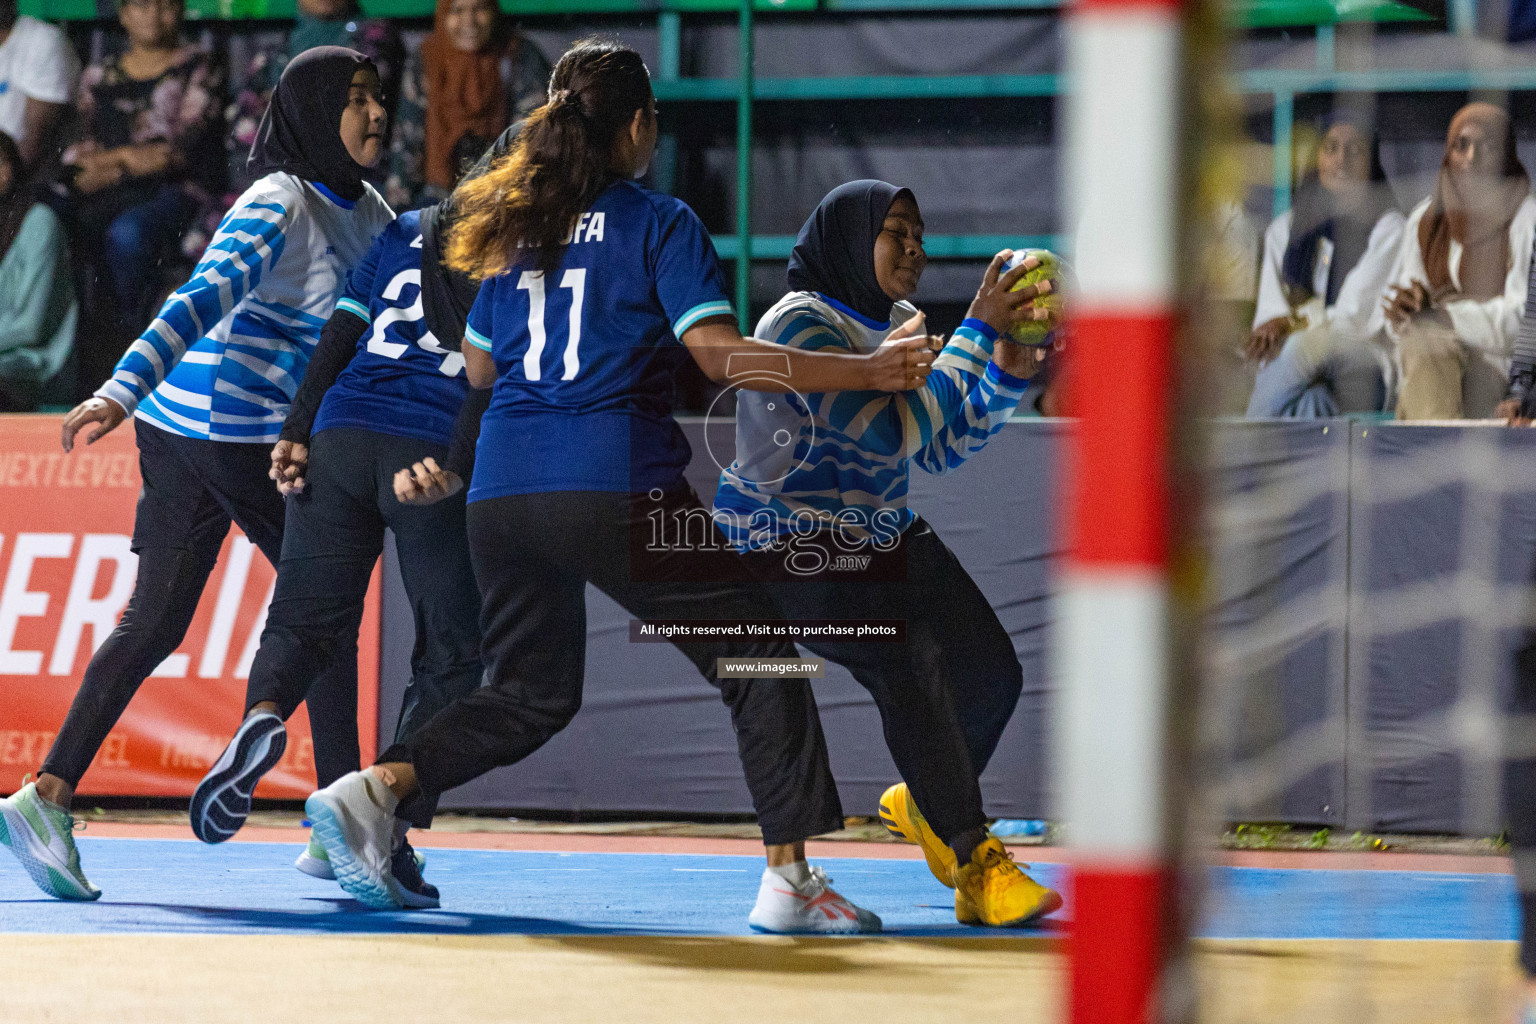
<point x="1459" y="288"/>
<point x="38" y="75"/>
<point x="1326" y="263"/>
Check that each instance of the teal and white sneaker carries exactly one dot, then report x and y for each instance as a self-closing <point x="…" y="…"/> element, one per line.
<point x="41" y="835"/>
<point x="354" y="819"/>
<point x="315" y="862"/>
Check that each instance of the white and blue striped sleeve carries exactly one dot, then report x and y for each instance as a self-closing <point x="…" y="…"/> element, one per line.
<point x="904" y="423"/>
<point x="246" y="246"/>
<point x="990" y="398"/>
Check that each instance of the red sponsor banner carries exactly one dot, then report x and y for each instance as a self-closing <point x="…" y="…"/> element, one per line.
<point x="66" y="572"/>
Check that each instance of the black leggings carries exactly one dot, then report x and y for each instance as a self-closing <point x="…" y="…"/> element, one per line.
<point x="534" y="554"/>
<point x="334" y="534"/>
<point x="946" y="694"/>
<point x="193" y="489"/>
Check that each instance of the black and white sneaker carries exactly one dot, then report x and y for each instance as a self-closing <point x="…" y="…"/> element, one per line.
<point x="405" y="864"/>
<point x="222" y="800"/>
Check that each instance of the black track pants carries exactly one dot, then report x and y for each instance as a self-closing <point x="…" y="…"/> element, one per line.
<point x="946" y="694"/>
<point x="193" y="489"/>
<point x="533" y="556"/>
<point x="334" y="535"/>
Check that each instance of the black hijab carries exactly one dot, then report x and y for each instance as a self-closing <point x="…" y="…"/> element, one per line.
<point x="1319" y="215"/>
<point x="301" y="131"/>
<point x="835" y="252"/>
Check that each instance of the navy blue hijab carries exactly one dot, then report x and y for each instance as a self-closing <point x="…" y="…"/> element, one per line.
<point x="301" y="130"/>
<point x="1317" y="215"/>
<point x="835" y="251"/>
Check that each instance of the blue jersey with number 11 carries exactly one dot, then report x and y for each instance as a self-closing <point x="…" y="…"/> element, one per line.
<point x="586" y="356"/>
<point x="401" y="381"/>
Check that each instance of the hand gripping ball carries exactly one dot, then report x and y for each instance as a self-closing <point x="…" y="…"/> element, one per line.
<point x="1040" y="334"/>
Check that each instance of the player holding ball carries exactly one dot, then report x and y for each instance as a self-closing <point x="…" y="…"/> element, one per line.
<point x="840" y="483"/>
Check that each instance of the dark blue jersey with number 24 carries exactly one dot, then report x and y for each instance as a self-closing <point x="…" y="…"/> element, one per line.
<point x="401" y="381"/>
<point x="586" y="357"/>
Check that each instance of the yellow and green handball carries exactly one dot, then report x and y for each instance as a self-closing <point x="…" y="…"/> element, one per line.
<point x="1039" y="334"/>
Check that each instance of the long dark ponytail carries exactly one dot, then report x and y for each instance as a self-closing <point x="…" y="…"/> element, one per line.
<point x="556" y="168"/>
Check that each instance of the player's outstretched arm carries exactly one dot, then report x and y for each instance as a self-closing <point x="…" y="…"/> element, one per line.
<point x="726" y="357"/>
<point x="991" y="392"/>
<point x="247" y="245"/>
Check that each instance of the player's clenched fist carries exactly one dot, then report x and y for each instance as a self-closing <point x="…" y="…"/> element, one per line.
<point x="426" y="483"/>
<point x="290" y="460"/>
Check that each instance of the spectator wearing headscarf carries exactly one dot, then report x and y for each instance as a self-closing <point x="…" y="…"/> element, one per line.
<point x="1326" y="262"/>
<point x="37" y="298"/>
<point x="473" y="76"/>
<point x="1453" y="307"/>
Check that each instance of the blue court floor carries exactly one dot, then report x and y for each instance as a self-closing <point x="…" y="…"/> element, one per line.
<point x="182" y="886"/>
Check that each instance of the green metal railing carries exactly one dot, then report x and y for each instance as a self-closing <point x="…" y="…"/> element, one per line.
<point x="746" y="90"/>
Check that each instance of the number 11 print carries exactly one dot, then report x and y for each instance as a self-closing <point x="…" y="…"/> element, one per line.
<point x="533" y="282"/>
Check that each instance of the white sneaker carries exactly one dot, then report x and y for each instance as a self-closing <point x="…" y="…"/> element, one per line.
<point x="814" y="908"/>
<point x="354" y="820"/>
<point x="41" y="835"/>
<point x="314" y="861"/>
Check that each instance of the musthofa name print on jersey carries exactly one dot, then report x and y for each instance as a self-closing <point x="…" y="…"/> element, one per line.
<point x="586" y="228"/>
<point x="401" y="381"/>
<point x="586" y="355"/>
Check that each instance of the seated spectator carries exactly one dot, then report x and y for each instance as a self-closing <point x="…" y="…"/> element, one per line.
<point x="1454" y="304"/>
<point x="318" y="23"/>
<point x="474" y="74"/>
<point x="1317" y="325"/>
<point x="38" y="75"/>
<point x="37" y="299"/>
<point x="149" y="160"/>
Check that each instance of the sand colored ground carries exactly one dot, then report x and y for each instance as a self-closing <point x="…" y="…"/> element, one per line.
<point x="212" y="979"/>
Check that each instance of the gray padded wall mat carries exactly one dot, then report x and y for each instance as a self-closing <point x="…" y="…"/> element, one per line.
<point x="1444" y="532"/>
<point x="1369" y="586"/>
<point x="653" y="736"/>
<point x="1279" y="521"/>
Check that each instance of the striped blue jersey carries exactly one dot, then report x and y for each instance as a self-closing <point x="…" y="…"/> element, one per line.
<point x="586" y="359"/>
<point x="400" y="381"/>
<point x="224" y="357"/>
<point x="843" y="459"/>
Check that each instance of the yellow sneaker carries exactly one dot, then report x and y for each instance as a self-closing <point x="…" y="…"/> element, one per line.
<point x="965" y="910"/>
<point x="992" y="891"/>
<point x="902" y="819"/>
